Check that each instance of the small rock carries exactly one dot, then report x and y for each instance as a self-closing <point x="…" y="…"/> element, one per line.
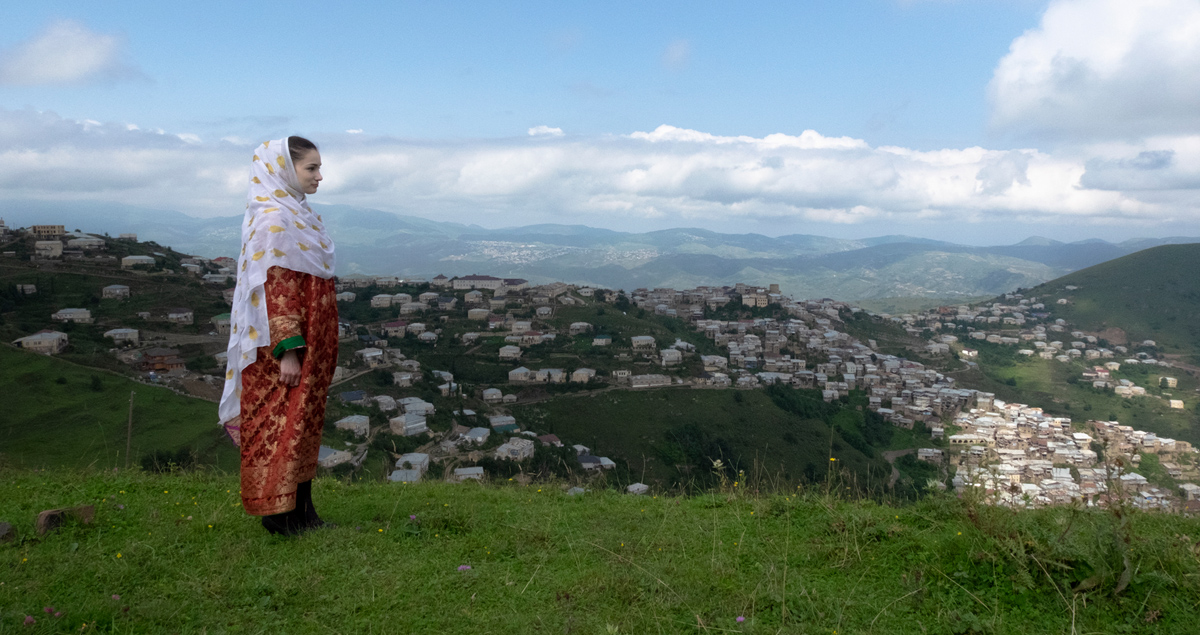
<point x="7" y="533"/>
<point x="52" y="519"/>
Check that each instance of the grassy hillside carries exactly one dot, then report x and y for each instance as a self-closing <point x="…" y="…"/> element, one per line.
<point x="1152" y="294"/>
<point x="671" y="436"/>
<point x="175" y="553"/>
<point x="60" y="415"/>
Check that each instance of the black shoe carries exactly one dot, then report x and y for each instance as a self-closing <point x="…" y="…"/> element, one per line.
<point x="307" y="512"/>
<point x="285" y="524"/>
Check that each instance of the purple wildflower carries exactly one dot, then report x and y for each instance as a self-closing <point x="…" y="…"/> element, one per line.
<point x="116" y="597"/>
<point x="29" y="620"/>
<point x="464" y="567"/>
<point x="58" y="614"/>
<point x="49" y="609"/>
<point x="412" y="516"/>
<point x="741" y="618"/>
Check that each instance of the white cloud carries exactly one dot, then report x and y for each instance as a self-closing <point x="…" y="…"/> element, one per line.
<point x="354" y="131"/>
<point x="672" y="175"/>
<point x="545" y="131"/>
<point x="1103" y="69"/>
<point x="676" y="57"/>
<point x="65" y="52"/>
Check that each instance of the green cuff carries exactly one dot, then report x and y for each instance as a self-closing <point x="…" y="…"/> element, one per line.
<point x="287" y="345"/>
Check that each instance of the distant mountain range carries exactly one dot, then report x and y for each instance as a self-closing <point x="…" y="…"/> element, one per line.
<point x="806" y="266"/>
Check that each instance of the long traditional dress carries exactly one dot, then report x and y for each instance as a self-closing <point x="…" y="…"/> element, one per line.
<point x="284" y="300"/>
<point x="281" y="424"/>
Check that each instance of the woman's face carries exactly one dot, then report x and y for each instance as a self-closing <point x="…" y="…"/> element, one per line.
<point x="308" y="171"/>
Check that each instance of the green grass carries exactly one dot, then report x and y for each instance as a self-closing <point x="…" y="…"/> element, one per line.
<point x="53" y="418"/>
<point x="1152" y="294"/>
<point x="656" y="431"/>
<point x="183" y="558"/>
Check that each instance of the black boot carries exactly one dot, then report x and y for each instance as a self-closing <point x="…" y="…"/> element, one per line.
<point x="285" y="524"/>
<point x="304" y="505"/>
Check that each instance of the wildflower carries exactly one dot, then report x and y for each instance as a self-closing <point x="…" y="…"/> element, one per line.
<point x="832" y="459"/>
<point x="741" y="618"/>
<point x="412" y="516"/>
<point x="120" y="507"/>
<point x="29" y="620"/>
<point x="58" y="614"/>
<point x="210" y="526"/>
<point x="49" y="609"/>
<point x="381" y="531"/>
<point x="165" y="492"/>
<point x="118" y="555"/>
<point x="960" y="533"/>
<point x="464" y="567"/>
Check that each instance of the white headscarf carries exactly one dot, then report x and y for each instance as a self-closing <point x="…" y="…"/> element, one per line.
<point x="280" y="230"/>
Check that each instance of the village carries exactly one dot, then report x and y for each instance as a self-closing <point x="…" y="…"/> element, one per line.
<point x="522" y="336"/>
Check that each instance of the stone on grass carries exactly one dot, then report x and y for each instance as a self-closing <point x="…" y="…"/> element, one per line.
<point x="52" y="519"/>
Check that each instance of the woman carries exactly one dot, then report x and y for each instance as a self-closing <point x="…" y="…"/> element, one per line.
<point x="283" y="337"/>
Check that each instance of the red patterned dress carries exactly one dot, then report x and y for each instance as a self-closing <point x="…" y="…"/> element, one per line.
<point x="281" y="424"/>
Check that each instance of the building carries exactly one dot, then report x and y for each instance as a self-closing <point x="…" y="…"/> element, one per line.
<point x="121" y="336"/>
<point x="162" y="359"/>
<point x="408" y="424"/>
<point x="221" y="323"/>
<point x="127" y="236"/>
<point x="47" y="232"/>
<point x="583" y="375"/>
<point x="48" y="249"/>
<point x="360" y="425"/>
<point x="328" y="457"/>
<point x="515" y="449"/>
<point x="77" y="316"/>
<point x="649" y="381"/>
<point x="510" y="352"/>
<point x="130" y="262"/>
<point x="115" y="292"/>
<point x="46" y="342"/>
<point x="463" y="473"/>
<point x="180" y="315"/>
<point x="642" y="342"/>
<point x="87" y="243"/>
<point x="475" y="281"/>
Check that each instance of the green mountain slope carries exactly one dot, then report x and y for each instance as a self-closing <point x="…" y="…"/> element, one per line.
<point x="1152" y="294"/>
<point x="671" y="436"/>
<point x="56" y="415"/>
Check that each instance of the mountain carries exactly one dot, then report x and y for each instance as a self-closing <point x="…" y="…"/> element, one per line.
<point x="378" y="242"/>
<point x="1151" y="294"/>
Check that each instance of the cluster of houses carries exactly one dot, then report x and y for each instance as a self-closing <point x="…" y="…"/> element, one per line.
<point x="1020" y="457"/>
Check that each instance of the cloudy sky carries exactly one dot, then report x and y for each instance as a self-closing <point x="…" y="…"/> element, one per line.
<point x="980" y="121"/>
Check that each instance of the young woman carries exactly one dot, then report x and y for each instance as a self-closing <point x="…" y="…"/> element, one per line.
<point x="283" y="337"/>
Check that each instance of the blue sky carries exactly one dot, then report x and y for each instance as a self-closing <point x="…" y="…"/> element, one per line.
<point x="974" y="120"/>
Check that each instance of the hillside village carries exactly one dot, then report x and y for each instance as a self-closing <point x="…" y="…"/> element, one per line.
<point x="438" y="364"/>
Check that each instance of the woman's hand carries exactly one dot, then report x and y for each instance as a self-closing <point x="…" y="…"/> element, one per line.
<point x="289" y="368"/>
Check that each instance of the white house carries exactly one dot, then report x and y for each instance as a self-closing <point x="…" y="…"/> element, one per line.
<point x="642" y="342"/>
<point x="515" y="449"/>
<point x="46" y="342"/>
<point x="115" y="292"/>
<point x="408" y="425"/>
<point x="78" y="316"/>
<point x="123" y="335"/>
<point x="492" y="395"/>
<point x="582" y="375"/>
<point x="328" y="457"/>
<point x="510" y="353"/>
<point x="360" y="425"/>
